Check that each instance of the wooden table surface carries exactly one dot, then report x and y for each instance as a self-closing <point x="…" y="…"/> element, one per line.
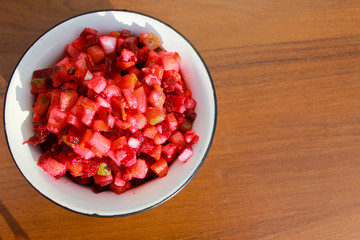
<point x="285" y="160"/>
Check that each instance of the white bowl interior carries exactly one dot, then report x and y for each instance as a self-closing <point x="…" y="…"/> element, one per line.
<point x="18" y="115"/>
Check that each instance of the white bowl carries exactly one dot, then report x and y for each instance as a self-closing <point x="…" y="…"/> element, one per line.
<point x="18" y="115"/>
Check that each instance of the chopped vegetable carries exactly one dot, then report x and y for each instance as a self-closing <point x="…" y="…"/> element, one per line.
<point x="113" y="110"/>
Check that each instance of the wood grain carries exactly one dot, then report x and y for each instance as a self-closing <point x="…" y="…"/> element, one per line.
<point x="285" y="161"/>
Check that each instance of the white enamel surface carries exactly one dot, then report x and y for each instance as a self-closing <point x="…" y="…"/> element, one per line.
<point x="18" y="116"/>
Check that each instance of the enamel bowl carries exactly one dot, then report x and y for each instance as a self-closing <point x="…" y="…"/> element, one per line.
<point x="18" y="115"/>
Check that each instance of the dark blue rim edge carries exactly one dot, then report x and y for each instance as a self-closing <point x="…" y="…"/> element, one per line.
<point x="188" y="180"/>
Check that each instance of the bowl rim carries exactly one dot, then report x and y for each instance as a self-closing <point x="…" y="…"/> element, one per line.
<point x="197" y="168"/>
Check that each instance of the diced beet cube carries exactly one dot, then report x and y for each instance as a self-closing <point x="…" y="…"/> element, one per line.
<point x="187" y="93"/>
<point x="179" y="87"/>
<point x="75" y="170"/>
<point x="139" y="169"/>
<point x="42" y="73"/>
<point x="137" y="120"/>
<point x="59" y="75"/>
<point x="131" y="43"/>
<point x="157" y="71"/>
<point x="108" y="44"/>
<point x="80" y="180"/>
<point x="171" y="121"/>
<point x="55" y="98"/>
<point x="41" y="106"/>
<point x="87" y="117"/>
<point x="111" y="154"/>
<point x="156" y="152"/>
<point x="119" y="44"/>
<point x="111" y="121"/>
<point x="117" y="189"/>
<point x="185" y="126"/>
<point x="118" y="181"/>
<point x="79" y="43"/>
<point x="96" y="53"/>
<point x="126" y="59"/>
<point x="180" y="117"/>
<point x="103" y="102"/>
<point x="90" y="168"/>
<point x="63" y="62"/>
<point x="150" y="132"/>
<point x="169" y="151"/>
<point x="143" y="36"/>
<point x="97" y="188"/>
<point x="85" y="140"/>
<point x="155" y="115"/>
<point x="84" y="152"/>
<point x="160" y="167"/>
<point x="102" y="180"/>
<point x="130" y="98"/>
<point x="85" y="108"/>
<point x="52" y="167"/>
<point x="57" y="120"/>
<point x="128" y="81"/>
<point x="112" y="90"/>
<point x="169" y="84"/>
<point x="118" y="143"/>
<point x="141" y="99"/>
<point x="151" y="80"/>
<point x="100" y="125"/>
<point x="122" y="124"/>
<point x="150" y="40"/>
<point x="125" y="33"/>
<point x="88" y="33"/>
<point x="126" y="175"/>
<point x="160" y="138"/>
<point x="185" y="154"/>
<point x="153" y="58"/>
<point x="147" y="146"/>
<point x="101" y="143"/>
<point x="190" y="103"/>
<point x="134" y="143"/>
<point x="134" y="70"/>
<point x="114" y="34"/>
<point x="120" y="155"/>
<point x="40" y="80"/>
<point x="118" y="107"/>
<point x="156" y="98"/>
<point x="80" y="69"/>
<point x="88" y="76"/>
<point x="68" y="100"/>
<point x="190" y="115"/>
<point x="130" y="162"/>
<point x="191" y="137"/>
<point x="169" y="61"/>
<point x="69" y="86"/>
<point x="177" y="138"/>
<point x="40" y="136"/>
<point x="175" y="103"/>
<point x="72" y="51"/>
<point x="98" y="84"/>
<point x="195" y="139"/>
<point x="163" y="134"/>
<point x="87" y="103"/>
<point x="74" y="135"/>
<point x="125" y="155"/>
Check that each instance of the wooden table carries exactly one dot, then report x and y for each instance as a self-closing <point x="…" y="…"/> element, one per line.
<point x="285" y="161"/>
